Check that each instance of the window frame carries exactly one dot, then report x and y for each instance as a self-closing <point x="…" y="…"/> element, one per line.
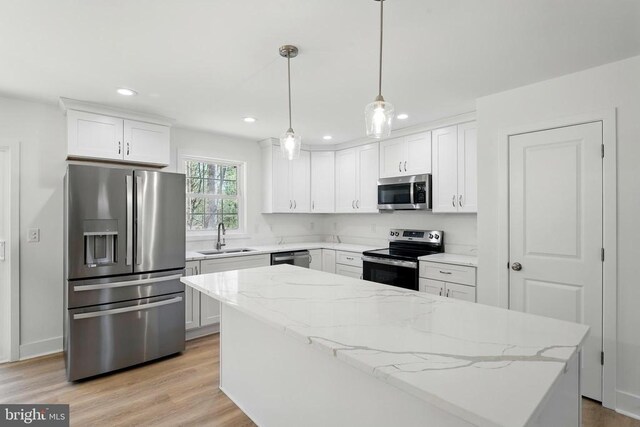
<point x="240" y="197"/>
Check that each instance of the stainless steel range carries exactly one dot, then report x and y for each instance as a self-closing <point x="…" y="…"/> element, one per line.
<point x="124" y="256"/>
<point x="398" y="264"/>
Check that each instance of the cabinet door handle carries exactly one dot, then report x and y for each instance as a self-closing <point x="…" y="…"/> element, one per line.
<point x="444" y="272"/>
<point x="447" y="293"/>
<point x="127" y="148"/>
<point x="313" y="205"/>
<point x="460" y="200"/>
<point x="405" y="165"/>
<point x="440" y="293"/>
<point x="119" y="147"/>
<point x="294" y="204"/>
<point x="453" y="201"/>
<point x="197" y="270"/>
<point x="353" y="204"/>
<point x="400" y="167"/>
<point x="290" y="204"/>
<point x="358" y="204"/>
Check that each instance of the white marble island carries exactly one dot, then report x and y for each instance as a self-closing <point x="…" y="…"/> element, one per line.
<point x="291" y="338"/>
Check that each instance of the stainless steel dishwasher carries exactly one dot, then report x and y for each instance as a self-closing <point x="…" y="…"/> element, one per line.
<point x="299" y="258"/>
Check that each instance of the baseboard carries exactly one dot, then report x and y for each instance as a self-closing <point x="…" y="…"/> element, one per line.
<point x="201" y="332"/>
<point x="40" y="348"/>
<point x="628" y="404"/>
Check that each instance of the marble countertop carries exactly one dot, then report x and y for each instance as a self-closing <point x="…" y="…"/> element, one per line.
<point x="267" y="249"/>
<point x="445" y="258"/>
<point x="487" y="365"/>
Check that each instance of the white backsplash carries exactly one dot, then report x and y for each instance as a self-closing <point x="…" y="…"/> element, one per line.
<point x="364" y="229"/>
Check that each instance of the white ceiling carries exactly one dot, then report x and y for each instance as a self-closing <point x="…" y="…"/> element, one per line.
<point x="207" y="64"/>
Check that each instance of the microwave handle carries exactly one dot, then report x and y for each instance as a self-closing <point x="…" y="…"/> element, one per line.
<point x="411" y="193"/>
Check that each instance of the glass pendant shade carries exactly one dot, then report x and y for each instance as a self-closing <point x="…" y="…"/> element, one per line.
<point x="379" y="118"/>
<point x="290" y="145"/>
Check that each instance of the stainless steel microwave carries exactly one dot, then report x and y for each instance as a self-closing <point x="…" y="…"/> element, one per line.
<point x="405" y="193"/>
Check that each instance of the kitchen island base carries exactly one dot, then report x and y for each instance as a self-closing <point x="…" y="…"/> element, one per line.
<point x="278" y="379"/>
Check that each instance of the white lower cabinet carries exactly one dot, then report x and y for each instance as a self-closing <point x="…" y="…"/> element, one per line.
<point x="192" y="298"/>
<point x="349" y="264"/>
<point x="315" y="259"/>
<point x="349" y="271"/>
<point x="328" y="261"/>
<point x="202" y="310"/>
<point x="209" y="307"/>
<point x="450" y="290"/>
<point x="440" y="279"/>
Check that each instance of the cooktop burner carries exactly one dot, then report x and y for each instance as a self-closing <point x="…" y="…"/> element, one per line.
<point x="409" y="245"/>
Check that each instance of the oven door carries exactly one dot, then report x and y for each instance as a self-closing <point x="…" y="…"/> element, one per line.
<point x="403" y="274"/>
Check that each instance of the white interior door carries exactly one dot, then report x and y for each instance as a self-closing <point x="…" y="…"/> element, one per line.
<point x="555" y="232"/>
<point x="4" y="282"/>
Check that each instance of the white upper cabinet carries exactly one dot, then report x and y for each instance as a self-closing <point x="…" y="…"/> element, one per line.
<point x="323" y="181"/>
<point x="367" y="200"/>
<point x="393" y="153"/>
<point x="418" y="153"/>
<point x="468" y="167"/>
<point x="300" y="170"/>
<point x="146" y="143"/>
<point x="455" y="168"/>
<point x="94" y="136"/>
<point x="104" y="137"/>
<point x="409" y="155"/>
<point x="357" y="179"/>
<point x="286" y="183"/>
<point x="346" y="177"/>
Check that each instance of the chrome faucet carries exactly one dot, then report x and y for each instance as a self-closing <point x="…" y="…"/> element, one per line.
<point x="220" y="244"/>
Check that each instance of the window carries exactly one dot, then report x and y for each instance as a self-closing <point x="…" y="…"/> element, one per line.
<point x="214" y="194"/>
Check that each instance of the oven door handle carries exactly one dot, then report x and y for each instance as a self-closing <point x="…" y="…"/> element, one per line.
<point x="395" y="262"/>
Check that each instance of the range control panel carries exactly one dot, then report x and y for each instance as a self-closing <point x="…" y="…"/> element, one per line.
<point x="428" y="236"/>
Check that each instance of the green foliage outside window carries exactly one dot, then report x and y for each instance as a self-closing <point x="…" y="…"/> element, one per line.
<point x="212" y="195"/>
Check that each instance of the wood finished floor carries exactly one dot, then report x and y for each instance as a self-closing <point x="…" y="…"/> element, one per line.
<point x="177" y="391"/>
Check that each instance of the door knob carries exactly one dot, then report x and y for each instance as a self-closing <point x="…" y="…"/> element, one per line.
<point x="516" y="266"/>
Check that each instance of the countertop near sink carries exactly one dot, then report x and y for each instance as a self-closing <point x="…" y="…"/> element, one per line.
<point x="471" y="261"/>
<point x="268" y="249"/>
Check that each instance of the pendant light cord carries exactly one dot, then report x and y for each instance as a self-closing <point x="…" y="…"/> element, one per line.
<point x="289" y="82"/>
<point x="380" y="67"/>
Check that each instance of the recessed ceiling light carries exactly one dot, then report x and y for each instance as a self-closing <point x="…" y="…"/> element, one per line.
<point x="249" y="119"/>
<point x="327" y="137"/>
<point x="403" y="116"/>
<point x="126" y="92"/>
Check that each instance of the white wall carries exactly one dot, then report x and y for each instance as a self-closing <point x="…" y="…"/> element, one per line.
<point x="612" y="85"/>
<point x="41" y="130"/>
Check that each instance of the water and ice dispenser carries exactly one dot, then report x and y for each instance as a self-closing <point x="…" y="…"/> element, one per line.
<point x="100" y="242"/>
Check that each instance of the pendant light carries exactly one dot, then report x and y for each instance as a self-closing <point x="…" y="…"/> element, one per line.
<point x="289" y="141"/>
<point x="379" y="114"/>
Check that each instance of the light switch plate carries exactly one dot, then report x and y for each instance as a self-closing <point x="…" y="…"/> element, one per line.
<point x="34" y="235"/>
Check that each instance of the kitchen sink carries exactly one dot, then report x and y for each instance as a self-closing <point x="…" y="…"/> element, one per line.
<point x="225" y="251"/>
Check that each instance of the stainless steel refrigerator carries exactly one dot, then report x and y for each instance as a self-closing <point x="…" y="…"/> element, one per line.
<point x="124" y="255"/>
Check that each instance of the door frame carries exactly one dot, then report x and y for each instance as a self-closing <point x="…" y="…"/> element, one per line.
<point x="610" y="225"/>
<point x="13" y="179"/>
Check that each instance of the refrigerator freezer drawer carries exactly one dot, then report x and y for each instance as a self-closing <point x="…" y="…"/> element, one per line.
<point x="82" y="293"/>
<point x="114" y="336"/>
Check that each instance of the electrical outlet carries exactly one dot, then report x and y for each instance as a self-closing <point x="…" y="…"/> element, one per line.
<point x="34" y="235"/>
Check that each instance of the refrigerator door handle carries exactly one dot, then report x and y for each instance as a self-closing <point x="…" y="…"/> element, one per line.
<point x="79" y="288"/>
<point x="139" y="190"/>
<point x="129" y="255"/>
<point x="126" y="309"/>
